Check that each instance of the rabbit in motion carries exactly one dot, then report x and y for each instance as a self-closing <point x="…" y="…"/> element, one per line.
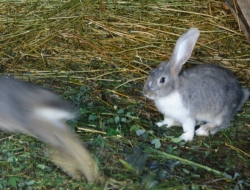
<point x="207" y="93"/>
<point x="27" y="108"/>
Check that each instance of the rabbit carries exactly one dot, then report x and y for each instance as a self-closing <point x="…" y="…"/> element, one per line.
<point x="27" y="108"/>
<point x="206" y="94"/>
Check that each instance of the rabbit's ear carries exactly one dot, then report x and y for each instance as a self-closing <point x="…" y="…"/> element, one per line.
<point x="183" y="50"/>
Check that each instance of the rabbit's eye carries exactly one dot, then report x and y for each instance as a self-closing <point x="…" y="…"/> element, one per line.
<point x="162" y="80"/>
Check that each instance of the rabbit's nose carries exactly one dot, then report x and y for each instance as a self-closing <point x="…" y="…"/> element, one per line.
<point x="149" y="86"/>
<point x="152" y="88"/>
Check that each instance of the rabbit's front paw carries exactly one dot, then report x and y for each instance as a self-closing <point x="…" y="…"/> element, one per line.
<point x="160" y="123"/>
<point x="167" y="121"/>
<point x="187" y="136"/>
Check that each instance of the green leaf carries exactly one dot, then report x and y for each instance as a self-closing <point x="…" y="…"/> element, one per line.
<point x="42" y="166"/>
<point x="195" y="175"/>
<point x="123" y="119"/>
<point x="111" y="132"/>
<point x="120" y="111"/>
<point x="176" y="140"/>
<point x="195" y="187"/>
<point x="83" y="111"/>
<point x="100" y="141"/>
<point x="92" y="117"/>
<point x="12" y="181"/>
<point x="134" y="127"/>
<point x="156" y="142"/>
<point x="90" y="104"/>
<point x="206" y="145"/>
<point x="31" y="182"/>
<point x="117" y="119"/>
<point x="110" y="120"/>
<point x="10" y="159"/>
<point x="140" y="132"/>
<point x="128" y="114"/>
<point x="207" y="153"/>
<point x="169" y="149"/>
<point x="186" y="171"/>
<point x="150" y="132"/>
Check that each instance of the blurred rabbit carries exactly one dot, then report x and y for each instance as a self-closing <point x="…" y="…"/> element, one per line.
<point x="206" y="93"/>
<point x="29" y="109"/>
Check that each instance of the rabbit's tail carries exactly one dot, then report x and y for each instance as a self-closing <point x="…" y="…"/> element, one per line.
<point x="245" y="97"/>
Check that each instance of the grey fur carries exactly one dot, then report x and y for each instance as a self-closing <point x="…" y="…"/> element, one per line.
<point x="208" y="93"/>
<point x="27" y="108"/>
<point x="212" y="89"/>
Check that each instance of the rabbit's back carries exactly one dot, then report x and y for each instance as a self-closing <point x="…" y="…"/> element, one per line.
<point x="212" y="90"/>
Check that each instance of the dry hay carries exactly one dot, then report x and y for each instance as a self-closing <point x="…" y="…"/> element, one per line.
<point x="92" y="38"/>
<point x="109" y="44"/>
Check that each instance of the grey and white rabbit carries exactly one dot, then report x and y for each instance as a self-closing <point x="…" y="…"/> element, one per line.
<point x="29" y="109"/>
<point x="206" y="93"/>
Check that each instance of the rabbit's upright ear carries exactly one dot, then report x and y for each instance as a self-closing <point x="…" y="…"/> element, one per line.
<point x="183" y="50"/>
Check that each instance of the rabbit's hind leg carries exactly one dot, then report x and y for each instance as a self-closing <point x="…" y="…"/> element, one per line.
<point x="213" y="125"/>
<point x="225" y="124"/>
<point x="204" y="130"/>
<point x="211" y="128"/>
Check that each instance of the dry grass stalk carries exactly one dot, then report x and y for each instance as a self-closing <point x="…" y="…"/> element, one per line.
<point x="111" y="46"/>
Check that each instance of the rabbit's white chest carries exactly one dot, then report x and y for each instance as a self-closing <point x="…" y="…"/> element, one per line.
<point x="172" y="106"/>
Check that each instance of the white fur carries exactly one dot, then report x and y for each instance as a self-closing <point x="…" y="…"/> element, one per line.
<point x="188" y="128"/>
<point x="172" y="106"/>
<point x="167" y="121"/>
<point x="173" y="110"/>
<point x="212" y="122"/>
<point x="204" y="117"/>
<point x="202" y="131"/>
<point x="182" y="49"/>
<point x="54" y="115"/>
